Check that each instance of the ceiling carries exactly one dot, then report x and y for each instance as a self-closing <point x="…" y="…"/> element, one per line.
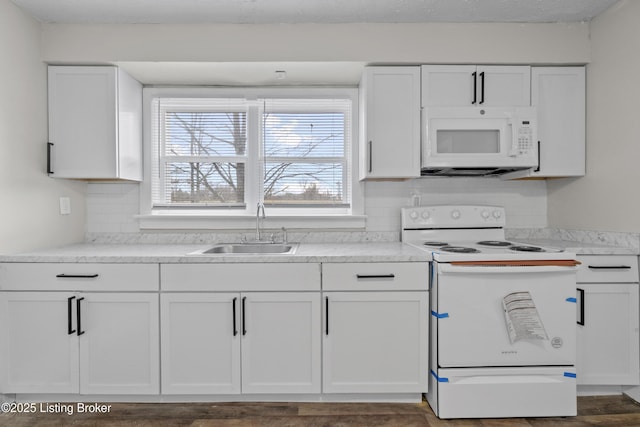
<point x="310" y="11"/>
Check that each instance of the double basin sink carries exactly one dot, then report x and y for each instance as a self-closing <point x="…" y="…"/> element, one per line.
<point x="249" y="249"/>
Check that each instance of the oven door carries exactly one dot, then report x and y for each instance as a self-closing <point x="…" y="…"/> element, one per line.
<point x="505" y="316"/>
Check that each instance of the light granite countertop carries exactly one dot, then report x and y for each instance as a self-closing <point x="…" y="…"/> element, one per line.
<point x="180" y="253"/>
<point x="581" y="248"/>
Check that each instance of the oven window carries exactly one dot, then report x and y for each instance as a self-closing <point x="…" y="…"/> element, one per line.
<point x="468" y="141"/>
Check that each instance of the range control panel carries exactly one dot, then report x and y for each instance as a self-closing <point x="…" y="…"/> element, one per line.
<point x="452" y="216"/>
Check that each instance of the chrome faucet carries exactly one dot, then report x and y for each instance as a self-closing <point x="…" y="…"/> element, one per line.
<point x="258" y="210"/>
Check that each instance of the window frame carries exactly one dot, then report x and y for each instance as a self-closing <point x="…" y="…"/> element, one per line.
<point x="234" y="218"/>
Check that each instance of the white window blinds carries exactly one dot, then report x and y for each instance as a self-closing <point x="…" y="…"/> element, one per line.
<point x="305" y="143"/>
<point x="216" y="153"/>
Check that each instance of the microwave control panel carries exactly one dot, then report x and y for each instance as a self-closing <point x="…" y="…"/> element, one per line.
<point x="524" y="142"/>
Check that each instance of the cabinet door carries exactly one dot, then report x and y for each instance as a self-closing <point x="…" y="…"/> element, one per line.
<point x="119" y="343"/>
<point x="375" y="342"/>
<point x="281" y="342"/>
<point x="448" y="85"/>
<point x="391" y="144"/>
<point x="82" y="121"/>
<point x="469" y="86"/>
<point x="200" y="343"/>
<point x="504" y="86"/>
<point x="559" y="95"/>
<point x="37" y="352"/>
<point x="608" y="345"/>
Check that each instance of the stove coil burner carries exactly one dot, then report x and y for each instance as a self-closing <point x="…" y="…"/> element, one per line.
<point x="459" y="249"/>
<point x="525" y="248"/>
<point x="495" y="243"/>
<point x="435" y="244"/>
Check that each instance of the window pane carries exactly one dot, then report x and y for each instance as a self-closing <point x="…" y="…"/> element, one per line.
<point x="304" y="134"/>
<point x="300" y="183"/>
<point x="205" y="183"/>
<point x="205" y="133"/>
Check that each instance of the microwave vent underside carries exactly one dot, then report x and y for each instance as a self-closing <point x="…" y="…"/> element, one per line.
<point x="467" y="172"/>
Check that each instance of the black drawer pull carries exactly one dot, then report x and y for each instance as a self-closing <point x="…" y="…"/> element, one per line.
<point x="375" y="276"/>
<point x="77" y="276"/>
<point x="610" y="267"/>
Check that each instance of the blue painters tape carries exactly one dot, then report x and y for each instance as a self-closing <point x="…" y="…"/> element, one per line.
<point x="439" y="379"/>
<point x="572" y="299"/>
<point x="438" y="315"/>
<point x="569" y="374"/>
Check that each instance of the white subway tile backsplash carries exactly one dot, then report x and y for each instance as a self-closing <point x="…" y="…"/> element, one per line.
<point x="111" y="207"/>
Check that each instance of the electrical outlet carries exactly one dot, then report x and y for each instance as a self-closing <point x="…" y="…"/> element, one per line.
<point x="65" y="206"/>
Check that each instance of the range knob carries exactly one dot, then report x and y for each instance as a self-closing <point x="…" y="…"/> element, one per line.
<point x="413" y="215"/>
<point x="497" y="214"/>
<point x="485" y="214"/>
<point x="455" y="214"/>
<point x="425" y="215"/>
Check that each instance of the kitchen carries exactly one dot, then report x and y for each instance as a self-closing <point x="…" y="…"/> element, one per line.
<point x="586" y="204"/>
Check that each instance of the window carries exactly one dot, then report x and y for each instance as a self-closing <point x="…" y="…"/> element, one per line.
<point x="219" y="156"/>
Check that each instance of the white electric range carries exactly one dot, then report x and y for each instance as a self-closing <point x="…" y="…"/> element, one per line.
<point x="502" y="332"/>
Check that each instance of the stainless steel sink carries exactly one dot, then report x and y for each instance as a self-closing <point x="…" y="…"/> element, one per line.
<point x="249" y="249"/>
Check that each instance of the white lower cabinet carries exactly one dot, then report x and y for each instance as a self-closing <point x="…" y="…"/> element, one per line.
<point x="230" y="343"/>
<point x="81" y="342"/>
<point x="608" y="344"/>
<point x="375" y="341"/>
<point x="608" y="347"/>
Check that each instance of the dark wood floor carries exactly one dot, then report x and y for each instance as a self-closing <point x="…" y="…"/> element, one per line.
<point x="603" y="411"/>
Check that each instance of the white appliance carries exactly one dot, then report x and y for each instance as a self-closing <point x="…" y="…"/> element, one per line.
<point x="478" y="141"/>
<point x="503" y="316"/>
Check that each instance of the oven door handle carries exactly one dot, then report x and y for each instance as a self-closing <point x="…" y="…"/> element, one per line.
<point x="489" y="269"/>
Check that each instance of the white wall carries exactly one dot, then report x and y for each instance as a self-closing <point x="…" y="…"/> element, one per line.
<point x="29" y="216"/>
<point x="393" y="43"/>
<point x="607" y="198"/>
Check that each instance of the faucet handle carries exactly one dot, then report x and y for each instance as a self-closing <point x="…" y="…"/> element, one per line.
<point x="284" y="235"/>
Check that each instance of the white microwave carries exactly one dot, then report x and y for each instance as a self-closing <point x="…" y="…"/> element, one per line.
<point x="478" y="141"/>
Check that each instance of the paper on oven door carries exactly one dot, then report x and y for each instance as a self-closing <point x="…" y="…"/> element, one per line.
<point x="523" y="320"/>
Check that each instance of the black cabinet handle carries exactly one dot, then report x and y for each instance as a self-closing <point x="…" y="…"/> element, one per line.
<point x="370" y="156"/>
<point x="475" y="87"/>
<point x="326" y="315"/>
<point x="235" y="328"/>
<point x="49" y="148"/>
<point x="581" y="321"/>
<point x="70" y="329"/>
<point x="375" y="276"/>
<point x="77" y="276"/>
<point x="481" y="88"/>
<point x="244" y="320"/>
<point x="539" y="162"/>
<point x="610" y="267"/>
<point x="79" y="316"/>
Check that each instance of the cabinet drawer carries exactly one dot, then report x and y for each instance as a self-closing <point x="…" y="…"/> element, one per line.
<point x="79" y="277"/>
<point x="608" y="269"/>
<point x="383" y="276"/>
<point x="240" y="277"/>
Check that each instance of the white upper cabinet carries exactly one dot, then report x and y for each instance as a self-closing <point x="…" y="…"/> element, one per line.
<point x="471" y="85"/>
<point x="559" y="95"/>
<point x="95" y="124"/>
<point x="390" y="123"/>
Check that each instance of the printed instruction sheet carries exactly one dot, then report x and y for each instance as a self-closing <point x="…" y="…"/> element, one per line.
<point x="523" y="320"/>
